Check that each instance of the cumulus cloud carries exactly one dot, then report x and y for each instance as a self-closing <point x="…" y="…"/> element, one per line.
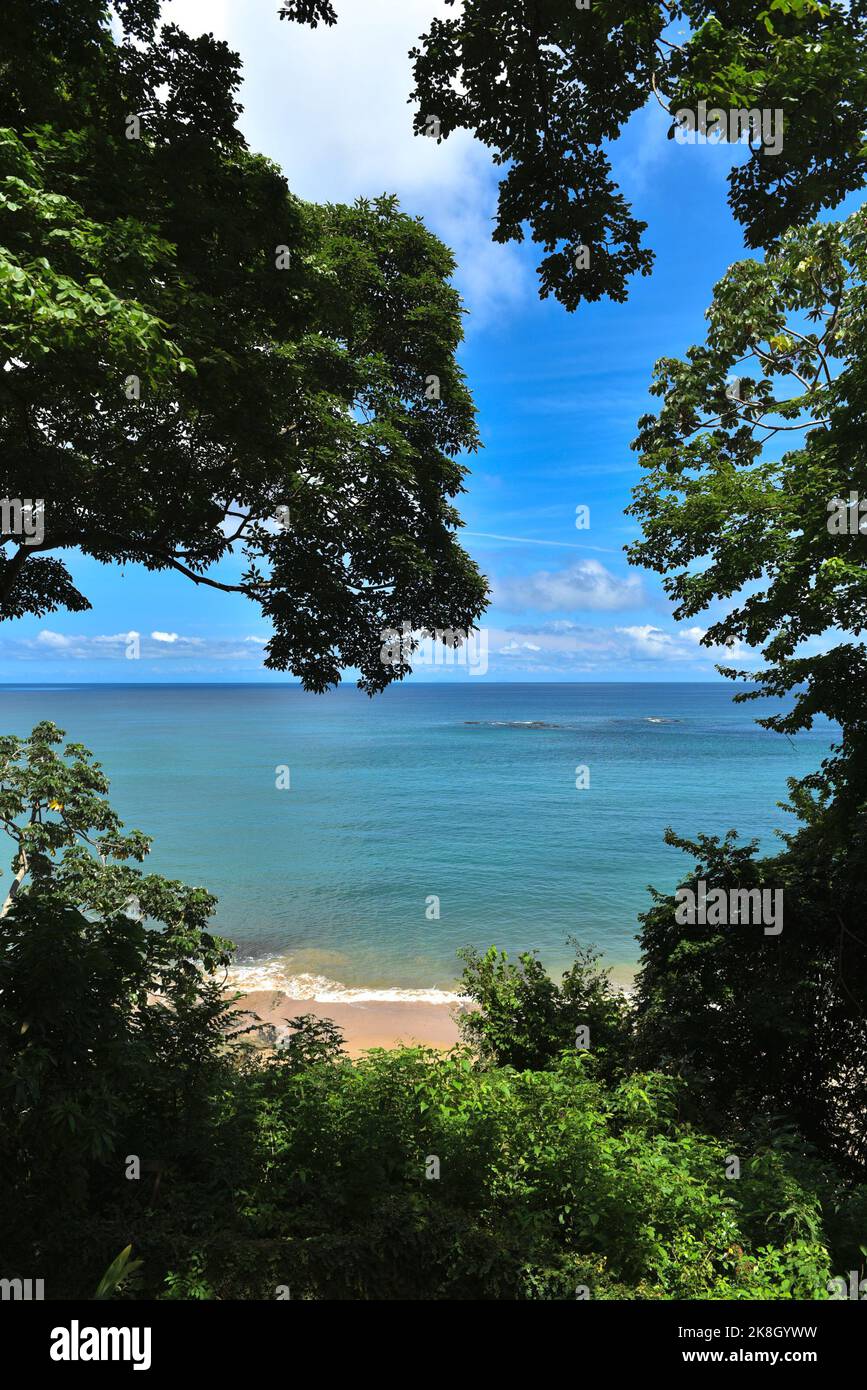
<point x="515" y="648"/>
<point x="330" y="106"/>
<point x="161" y="646"/>
<point x="683" y="644"/>
<point x="586" y="584"/>
<point x="566" y="649"/>
<point x="559" y="649"/>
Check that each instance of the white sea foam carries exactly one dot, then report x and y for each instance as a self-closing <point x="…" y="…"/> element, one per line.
<point x="273" y="974"/>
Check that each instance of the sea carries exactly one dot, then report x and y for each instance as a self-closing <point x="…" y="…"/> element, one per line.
<point x="356" y="844"/>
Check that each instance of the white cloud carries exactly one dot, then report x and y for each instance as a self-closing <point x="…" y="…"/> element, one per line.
<point x="330" y="107"/>
<point x="571" y="650"/>
<point x="514" y="648"/>
<point x="558" y="649"/>
<point x="161" y="646"/>
<point x="684" y="644"/>
<point x="586" y="584"/>
<point x="650" y="641"/>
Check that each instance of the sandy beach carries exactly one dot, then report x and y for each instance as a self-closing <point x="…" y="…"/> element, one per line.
<point x="375" y="1022"/>
<point x="365" y="1023"/>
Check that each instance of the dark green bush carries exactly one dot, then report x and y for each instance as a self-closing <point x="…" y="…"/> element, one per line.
<point x="524" y="1019"/>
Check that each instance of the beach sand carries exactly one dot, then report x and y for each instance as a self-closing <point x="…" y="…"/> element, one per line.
<point x="363" y="1024"/>
<point x="366" y="1023"/>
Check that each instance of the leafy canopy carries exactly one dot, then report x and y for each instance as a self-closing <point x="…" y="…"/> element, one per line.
<point x="756" y="450"/>
<point x="760" y="430"/>
<point x="111" y="1009"/>
<point x="549" y="87"/>
<point x="200" y="366"/>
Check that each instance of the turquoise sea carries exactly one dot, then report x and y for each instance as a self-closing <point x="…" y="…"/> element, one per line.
<point x="465" y="793"/>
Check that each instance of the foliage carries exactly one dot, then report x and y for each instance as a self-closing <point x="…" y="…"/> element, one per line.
<point x="549" y="87"/>
<point x="546" y="1181"/>
<point x="740" y="524"/>
<point x="521" y="1166"/>
<point x="191" y="350"/>
<point x="312" y="1040"/>
<point x="190" y="1284"/>
<point x="764" y="1027"/>
<point x="316" y="1182"/>
<point x="525" y="1020"/>
<point x="312" y="12"/>
<point x="117" y="1273"/>
<point x="111" y="1011"/>
<point x="726" y="516"/>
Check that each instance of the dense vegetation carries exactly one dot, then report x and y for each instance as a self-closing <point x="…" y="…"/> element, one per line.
<point x="549" y="86"/>
<point x="537" y="1161"/>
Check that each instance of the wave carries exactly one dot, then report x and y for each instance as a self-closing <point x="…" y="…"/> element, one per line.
<point x="645" y="719"/>
<point x="513" y="724"/>
<point x="273" y="974"/>
<point x="544" y="724"/>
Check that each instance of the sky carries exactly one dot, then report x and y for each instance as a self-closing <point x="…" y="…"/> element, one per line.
<point x="558" y="394"/>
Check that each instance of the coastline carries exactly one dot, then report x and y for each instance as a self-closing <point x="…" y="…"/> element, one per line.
<point x="366" y="1017"/>
<point x="364" y="1023"/>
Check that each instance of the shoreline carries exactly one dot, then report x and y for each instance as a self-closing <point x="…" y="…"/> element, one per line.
<point x="364" y="1023"/>
<point x="367" y="1018"/>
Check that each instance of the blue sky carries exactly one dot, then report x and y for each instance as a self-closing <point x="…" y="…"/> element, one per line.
<point x="558" y="394"/>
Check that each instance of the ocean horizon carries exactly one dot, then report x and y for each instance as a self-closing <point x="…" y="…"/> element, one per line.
<point x="355" y="845"/>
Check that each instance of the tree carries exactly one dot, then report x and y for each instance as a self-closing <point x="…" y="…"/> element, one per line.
<point x="732" y="516"/>
<point x="548" y="85"/>
<point x="766" y="1030"/>
<point x="197" y="363"/>
<point x="312" y="12"/>
<point x="769" y="537"/>
<point x="112" y="1013"/>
